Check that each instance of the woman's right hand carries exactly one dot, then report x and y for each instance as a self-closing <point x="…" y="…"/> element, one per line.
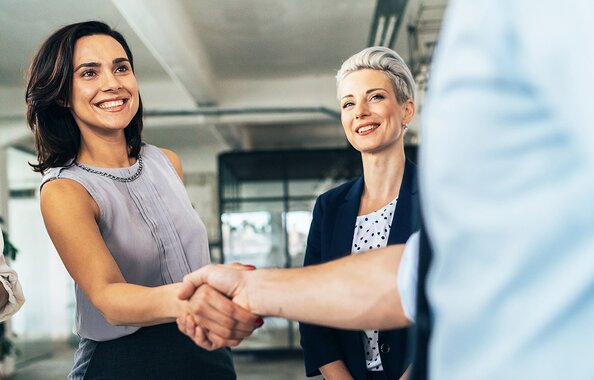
<point x="212" y="320"/>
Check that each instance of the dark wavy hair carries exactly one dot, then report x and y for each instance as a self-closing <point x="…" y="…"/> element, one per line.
<point x="49" y="86"/>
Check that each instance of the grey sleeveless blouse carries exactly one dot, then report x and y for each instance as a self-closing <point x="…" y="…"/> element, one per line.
<point x="148" y="225"/>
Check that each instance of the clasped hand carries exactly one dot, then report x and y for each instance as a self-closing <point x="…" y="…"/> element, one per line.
<point x="217" y="308"/>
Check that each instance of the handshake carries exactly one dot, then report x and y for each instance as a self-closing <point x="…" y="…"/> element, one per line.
<point x="218" y="312"/>
<point x="225" y="302"/>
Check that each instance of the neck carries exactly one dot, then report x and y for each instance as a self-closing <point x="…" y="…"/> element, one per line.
<point x="383" y="173"/>
<point x="105" y="153"/>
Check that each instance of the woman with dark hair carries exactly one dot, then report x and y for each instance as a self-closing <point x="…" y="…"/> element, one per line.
<point x="118" y="214"/>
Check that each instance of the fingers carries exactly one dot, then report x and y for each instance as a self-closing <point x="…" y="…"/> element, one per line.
<point x="198" y="335"/>
<point x="221" y="316"/>
<point x="184" y="324"/>
<point x="202" y="337"/>
<point x="218" y="342"/>
<point x="212" y="320"/>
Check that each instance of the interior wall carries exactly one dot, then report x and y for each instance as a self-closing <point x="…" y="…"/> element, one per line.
<point x="49" y="290"/>
<point x="200" y="172"/>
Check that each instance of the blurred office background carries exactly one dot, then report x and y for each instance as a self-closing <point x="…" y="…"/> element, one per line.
<point x="244" y="92"/>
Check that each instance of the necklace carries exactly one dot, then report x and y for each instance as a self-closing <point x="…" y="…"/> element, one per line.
<point x="111" y="176"/>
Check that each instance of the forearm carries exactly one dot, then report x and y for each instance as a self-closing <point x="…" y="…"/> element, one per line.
<point x="134" y="305"/>
<point x="355" y="292"/>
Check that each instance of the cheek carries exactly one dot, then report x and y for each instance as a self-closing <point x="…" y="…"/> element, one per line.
<point x="132" y="87"/>
<point x="346" y="121"/>
<point x="81" y="94"/>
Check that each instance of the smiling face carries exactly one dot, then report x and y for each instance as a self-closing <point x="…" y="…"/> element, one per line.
<point x="104" y="96"/>
<point x="372" y="118"/>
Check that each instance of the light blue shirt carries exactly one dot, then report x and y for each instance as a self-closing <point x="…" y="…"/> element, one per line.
<point x="507" y="172"/>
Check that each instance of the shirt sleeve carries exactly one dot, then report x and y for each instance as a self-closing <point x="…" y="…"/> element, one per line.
<point x="407" y="276"/>
<point x="10" y="281"/>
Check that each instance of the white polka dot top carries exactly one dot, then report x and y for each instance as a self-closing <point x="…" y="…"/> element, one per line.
<point x="371" y="232"/>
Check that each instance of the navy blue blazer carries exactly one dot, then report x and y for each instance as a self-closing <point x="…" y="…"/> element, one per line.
<point x="330" y="237"/>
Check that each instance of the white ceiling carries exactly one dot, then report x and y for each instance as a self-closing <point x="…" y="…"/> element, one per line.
<point x="266" y="66"/>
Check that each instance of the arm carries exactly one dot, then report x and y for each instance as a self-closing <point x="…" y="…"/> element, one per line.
<point x="67" y="207"/>
<point x="294" y="293"/>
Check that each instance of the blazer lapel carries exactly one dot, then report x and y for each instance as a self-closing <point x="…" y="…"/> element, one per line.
<point x="406" y="216"/>
<point x="346" y="216"/>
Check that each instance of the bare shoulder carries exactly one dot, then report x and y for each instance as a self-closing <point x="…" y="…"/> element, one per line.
<point x="67" y="195"/>
<point x="175" y="161"/>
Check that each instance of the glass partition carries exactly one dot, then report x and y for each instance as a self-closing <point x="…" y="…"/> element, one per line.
<point x="266" y="200"/>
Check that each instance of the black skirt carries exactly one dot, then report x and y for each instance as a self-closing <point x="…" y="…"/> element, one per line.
<point x="158" y="352"/>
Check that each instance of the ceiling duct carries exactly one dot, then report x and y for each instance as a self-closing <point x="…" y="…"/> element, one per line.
<point x="386" y="22"/>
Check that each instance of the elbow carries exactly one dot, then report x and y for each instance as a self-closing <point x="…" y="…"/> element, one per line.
<point x="110" y="316"/>
<point x="108" y="310"/>
<point x="114" y="321"/>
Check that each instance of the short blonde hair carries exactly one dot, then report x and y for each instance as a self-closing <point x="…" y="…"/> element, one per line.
<point x="386" y="60"/>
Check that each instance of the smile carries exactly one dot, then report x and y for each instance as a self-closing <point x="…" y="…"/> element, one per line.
<point x="112" y="105"/>
<point x="366" y="128"/>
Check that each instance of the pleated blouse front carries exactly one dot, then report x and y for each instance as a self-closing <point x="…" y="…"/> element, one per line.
<point x="148" y="225"/>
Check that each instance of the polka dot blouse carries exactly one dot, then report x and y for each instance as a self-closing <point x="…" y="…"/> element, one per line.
<point x="371" y="232"/>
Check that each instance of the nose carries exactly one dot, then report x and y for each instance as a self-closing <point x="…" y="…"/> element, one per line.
<point x="111" y="82"/>
<point x="361" y="110"/>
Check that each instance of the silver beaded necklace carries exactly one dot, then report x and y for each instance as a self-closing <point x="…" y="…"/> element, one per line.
<point x="111" y="176"/>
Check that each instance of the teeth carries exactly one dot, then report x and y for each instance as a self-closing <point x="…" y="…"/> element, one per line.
<point x="367" y="128"/>
<point x="114" y="103"/>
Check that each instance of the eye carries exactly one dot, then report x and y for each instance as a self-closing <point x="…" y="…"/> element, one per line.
<point x="347" y="105"/>
<point x="377" y="97"/>
<point x="122" y="69"/>
<point x="88" y="73"/>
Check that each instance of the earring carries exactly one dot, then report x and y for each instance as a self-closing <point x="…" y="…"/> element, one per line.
<point x="405" y="126"/>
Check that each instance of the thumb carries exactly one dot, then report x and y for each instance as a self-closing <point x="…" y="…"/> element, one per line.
<point x="191" y="282"/>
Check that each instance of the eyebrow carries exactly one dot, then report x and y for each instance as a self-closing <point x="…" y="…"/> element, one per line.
<point x="96" y="64"/>
<point x="367" y="92"/>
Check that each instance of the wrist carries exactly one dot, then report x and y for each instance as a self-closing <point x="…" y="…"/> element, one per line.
<point x="177" y="307"/>
<point x="250" y="282"/>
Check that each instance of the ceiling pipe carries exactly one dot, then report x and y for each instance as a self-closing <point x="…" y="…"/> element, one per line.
<point x="220" y="111"/>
